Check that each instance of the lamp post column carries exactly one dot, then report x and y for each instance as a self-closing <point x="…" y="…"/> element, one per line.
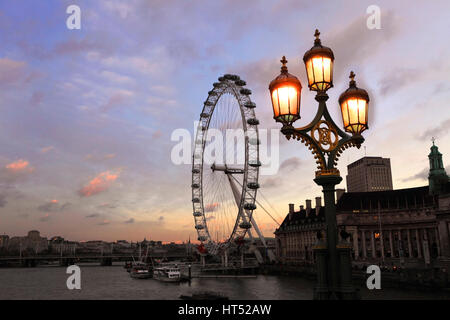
<point x="328" y="183"/>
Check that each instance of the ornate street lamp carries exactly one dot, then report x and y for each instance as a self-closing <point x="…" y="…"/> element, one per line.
<point x="285" y="92"/>
<point x="354" y="104"/>
<point x="319" y="66"/>
<point x="326" y="141"/>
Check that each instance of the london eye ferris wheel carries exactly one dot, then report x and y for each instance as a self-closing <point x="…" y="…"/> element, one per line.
<point x="225" y="173"/>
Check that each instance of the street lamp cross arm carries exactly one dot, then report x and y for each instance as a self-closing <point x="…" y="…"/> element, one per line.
<point x="330" y="142"/>
<point x="343" y="144"/>
<point x="308" y="141"/>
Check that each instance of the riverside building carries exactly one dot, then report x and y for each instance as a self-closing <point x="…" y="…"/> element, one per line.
<point x="404" y="227"/>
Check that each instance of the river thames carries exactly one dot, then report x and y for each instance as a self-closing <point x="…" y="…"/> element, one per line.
<point x="115" y="283"/>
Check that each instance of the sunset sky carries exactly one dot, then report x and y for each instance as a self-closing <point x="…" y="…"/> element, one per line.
<point x="87" y="115"/>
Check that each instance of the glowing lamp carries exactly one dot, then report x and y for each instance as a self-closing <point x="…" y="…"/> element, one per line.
<point x="285" y="93"/>
<point x="354" y="104"/>
<point x="319" y="66"/>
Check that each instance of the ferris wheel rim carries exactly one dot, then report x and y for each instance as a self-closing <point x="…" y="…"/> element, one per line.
<point x="231" y="84"/>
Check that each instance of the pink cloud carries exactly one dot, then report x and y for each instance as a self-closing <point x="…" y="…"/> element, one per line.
<point x="118" y="98"/>
<point x="45" y="218"/>
<point x="91" y="157"/>
<point x="157" y="134"/>
<point x="75" y="46"/>
<point x="100" y="183"/>
<point x="47" y="149"/>
<point x="19" y="166"/>
<point x="36" y="98"/>
<point x="211" y="207"/>
<point x="11" y="71"/>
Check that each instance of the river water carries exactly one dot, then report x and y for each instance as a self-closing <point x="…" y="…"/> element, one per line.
<point x="115" y="283"/>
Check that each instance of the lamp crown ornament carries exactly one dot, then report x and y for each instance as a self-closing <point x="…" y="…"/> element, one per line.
<point x="352" y="79"/>
<point x="353" y="90"/>
<point x="284" y="68"/>
<point x="317" y="40"/>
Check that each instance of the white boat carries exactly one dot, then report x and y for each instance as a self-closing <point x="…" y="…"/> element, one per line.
<point x="141" y="272"/>
<point x="167" y="274"/>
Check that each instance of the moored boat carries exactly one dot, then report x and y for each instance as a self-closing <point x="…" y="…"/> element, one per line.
<point x="141" y="272"/>
<point x="167" y="274"/>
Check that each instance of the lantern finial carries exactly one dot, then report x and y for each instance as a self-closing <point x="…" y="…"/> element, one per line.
<point x="284" y="68"/>
<point x="352" y="79"/>
<point x="317" y="34"/>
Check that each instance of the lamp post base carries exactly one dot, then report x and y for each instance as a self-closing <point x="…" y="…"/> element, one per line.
<point x="334" y="271"/>
<point x="345" y="289"/>
<point x="321" y="291"/>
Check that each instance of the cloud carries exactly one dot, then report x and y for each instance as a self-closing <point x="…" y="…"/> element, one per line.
<point x="104" y="223"/>
<point x="160" y="221"/>
<point x="131" y="220"/>
<point x="441" y="130"/>
<point x="93" y="215"/>
<point x="52" y="206"/>
<point x="36" y="98"/>
<point x="107" y="206"/>
<point x="45" y="218"/>
<point x="123" y="9"/>
<point x="259" y="73"/>
<point x="64" y="206"/>
<point x="397" y="79"/>
<point x="91" y="157"/>
<point x="74" y="46"/>
<point x="163" y="90"/>
<point x="15" y="172"/>
<point x="157" y="134"/>
<point x="3" y="201"/>
<point x="272" y="182"/>
<point x="115" y="77"/>
<point x="11" y="71"/>
<point x="49" y="206"/>
<point x="136" y="63"/>
<point x="423" y="175"/>
<point x="118" y="98"/>
<point x="47" y="149"/>
<point x="19" y="166"/>
<point x="100" y="183"/>
<point x="291" y="163"/>
<point x="355" y="43"/>
<point x="211" y="207"/>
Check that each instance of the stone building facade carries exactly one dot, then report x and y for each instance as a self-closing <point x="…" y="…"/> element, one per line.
<point x="33" y="241"/>
<point x="404" y="227"/>
<point x="4" y="239"/>
<point x="369" y="174"/>
<point x="298" y="233"/>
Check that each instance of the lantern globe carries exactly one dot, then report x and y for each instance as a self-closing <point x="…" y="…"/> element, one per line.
<point x="319" y="62"/>
<point x="285" y="93"/>
<point x="354" y="104"/>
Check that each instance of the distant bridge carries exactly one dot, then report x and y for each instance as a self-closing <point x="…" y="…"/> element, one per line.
<point x="105" y="259"/>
